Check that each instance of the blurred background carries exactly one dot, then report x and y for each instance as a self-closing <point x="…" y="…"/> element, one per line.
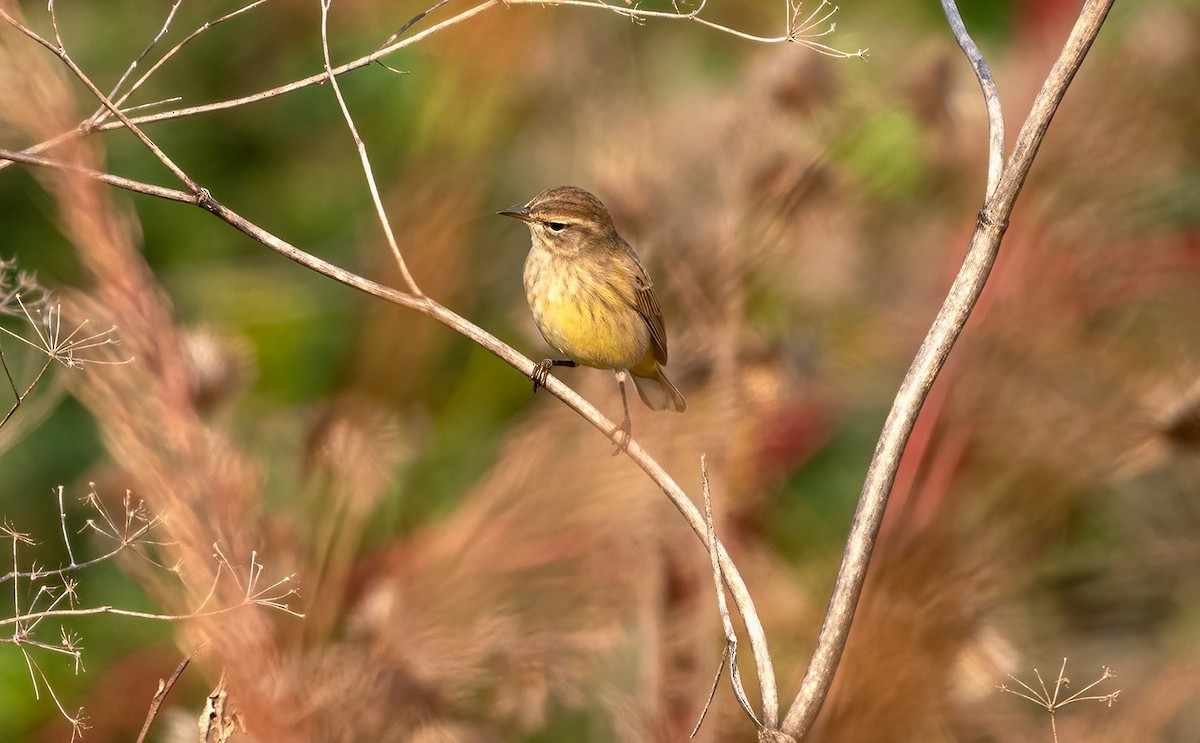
<point x="472" y="563"/>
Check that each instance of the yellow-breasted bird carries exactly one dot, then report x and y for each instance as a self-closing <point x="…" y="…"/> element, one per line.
<point x="591" y="297"/>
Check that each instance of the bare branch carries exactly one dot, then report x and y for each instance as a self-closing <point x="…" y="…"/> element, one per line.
<point x="271" y="596"/>
<point x="20" y="396"/>
<point x="62" y="519"/>
<point x="410" y="23"/>
<point x="77" y="721"/>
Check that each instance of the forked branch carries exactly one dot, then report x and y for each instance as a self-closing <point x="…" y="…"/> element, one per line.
<point x="964" y="292"/>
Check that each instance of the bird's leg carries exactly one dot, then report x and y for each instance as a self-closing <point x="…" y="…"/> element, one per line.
<point x="622" y="435"/>
<point x="542" y="370"/>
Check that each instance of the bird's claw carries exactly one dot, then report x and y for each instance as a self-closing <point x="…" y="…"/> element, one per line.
<point x="540" y="372"/>
<point x="621" y="436"/>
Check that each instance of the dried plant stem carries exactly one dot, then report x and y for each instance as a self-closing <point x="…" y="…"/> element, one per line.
<point x="729" y="654"/>
<point x="1051" y="701"/>
<point x="138" y="59"/>
<point x="272" y="597"/>
<point x="368" y="172"/>
<point x="102" y="113"/>
<point x="796" y="33"/>
<point x="17" y="393"/>
<point x="164" y="688"/>
<point x="964" y="292"/>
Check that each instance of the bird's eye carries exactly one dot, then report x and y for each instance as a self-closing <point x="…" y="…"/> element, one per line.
<point x="556" y="226"/>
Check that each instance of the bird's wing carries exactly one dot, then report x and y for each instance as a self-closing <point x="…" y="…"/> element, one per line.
<point x="647" y="306"/>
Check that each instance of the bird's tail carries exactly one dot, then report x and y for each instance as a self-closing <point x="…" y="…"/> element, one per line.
<point x="657" y="391"/>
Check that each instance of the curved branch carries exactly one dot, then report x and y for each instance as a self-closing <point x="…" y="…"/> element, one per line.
<point x="967" y="286"/>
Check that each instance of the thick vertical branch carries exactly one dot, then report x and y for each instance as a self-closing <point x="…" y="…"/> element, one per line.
<point x="964" y="292"/>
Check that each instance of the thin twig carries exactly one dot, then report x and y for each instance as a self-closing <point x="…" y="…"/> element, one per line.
<point x="368" y="172"/>
<point x="712" y="691"/>
<point x="264" y="598"/>
<point x="164" y="688"/>
<point x="730" y="652"/>
<point x="412" y="22"/>
<point x="991" y="96"/>
<point x="964" y="292"/>
<point x="21" y="395"/>
<point x="123" y="543"/>
<point x="1050" y="702"/>
<point x="138" y="59"/>
<point x="102" y="113"/>
<point x="62" y="518"/>
<point x="78" y="721"/>
<point x="792" y="35"/>
<point x="57" y="572"/>
<point x="12" y="383"/>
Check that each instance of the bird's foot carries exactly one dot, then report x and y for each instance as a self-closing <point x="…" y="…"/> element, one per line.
<point x="542" y="371"/>
<point x="621" y="436"/>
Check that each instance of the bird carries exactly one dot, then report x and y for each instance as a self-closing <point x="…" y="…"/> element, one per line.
<point x="592" y="299"/>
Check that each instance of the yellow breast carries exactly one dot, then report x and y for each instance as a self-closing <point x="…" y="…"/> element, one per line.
<point x="586" y="310"/>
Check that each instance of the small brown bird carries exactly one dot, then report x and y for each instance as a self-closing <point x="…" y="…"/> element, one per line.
<point x="591" y="297"/>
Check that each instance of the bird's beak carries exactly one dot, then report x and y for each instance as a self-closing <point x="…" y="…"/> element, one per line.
<point x="517" y="212"/>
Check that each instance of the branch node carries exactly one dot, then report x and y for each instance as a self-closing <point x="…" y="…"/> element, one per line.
<point x="205" y="200"/>
<point x="988" y="220"/>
